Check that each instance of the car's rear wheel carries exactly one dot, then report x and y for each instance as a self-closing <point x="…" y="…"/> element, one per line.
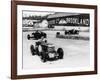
<point x="60" y="53"/>
<point x="32" y="50"/>
<point x="28" y="37"/>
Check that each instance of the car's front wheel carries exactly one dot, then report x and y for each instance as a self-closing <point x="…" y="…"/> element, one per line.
<point x="57" y="34"/>
<point x="60" y="53"/>
<point x="32" y="50"/>
<point x="45" y="35"/>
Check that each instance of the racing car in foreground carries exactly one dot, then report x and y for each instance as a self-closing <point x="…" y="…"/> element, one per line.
<point x="46" y="51"/>
<point x="36" y="35"/>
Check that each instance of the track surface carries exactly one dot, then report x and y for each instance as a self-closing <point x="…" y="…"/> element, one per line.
<point x="76" y="52"/>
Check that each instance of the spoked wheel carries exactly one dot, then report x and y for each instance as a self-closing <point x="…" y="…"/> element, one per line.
<point x="60" y="53"/>
<point x="28" y="37"/>
<point x="32" y="50"/>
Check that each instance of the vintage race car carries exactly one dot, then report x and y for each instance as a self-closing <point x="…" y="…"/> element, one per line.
<point x="36" y="35"/>
<point x="69" y="32"/>
<point x="72" y="31"/>
<point x="46" y="51"/>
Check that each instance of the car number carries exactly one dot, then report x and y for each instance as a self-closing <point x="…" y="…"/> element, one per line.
<point x="51" y="55"/>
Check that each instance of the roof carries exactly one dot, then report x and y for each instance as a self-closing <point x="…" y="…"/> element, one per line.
<point x="61" y="14"/>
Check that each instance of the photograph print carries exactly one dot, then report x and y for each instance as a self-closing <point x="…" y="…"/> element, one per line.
<point x="54" y="40"/>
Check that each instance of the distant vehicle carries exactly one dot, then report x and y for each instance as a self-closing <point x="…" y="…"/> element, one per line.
<point x="46" y="51"/>
<point x="36" y="35"/>
<point x="72" y="31"/>
<point x="69" y="32"/>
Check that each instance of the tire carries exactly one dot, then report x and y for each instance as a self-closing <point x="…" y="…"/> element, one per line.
<point x="32" y="50"/>
<point x="66" y="32"/>
<point x="45" y="35"/>
<point x="60" y="53"/>
<point x="28" y="37"/>
<point x="57" y="34"/>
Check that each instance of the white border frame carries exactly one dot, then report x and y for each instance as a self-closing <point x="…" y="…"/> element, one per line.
<point x="21" y="71"/>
